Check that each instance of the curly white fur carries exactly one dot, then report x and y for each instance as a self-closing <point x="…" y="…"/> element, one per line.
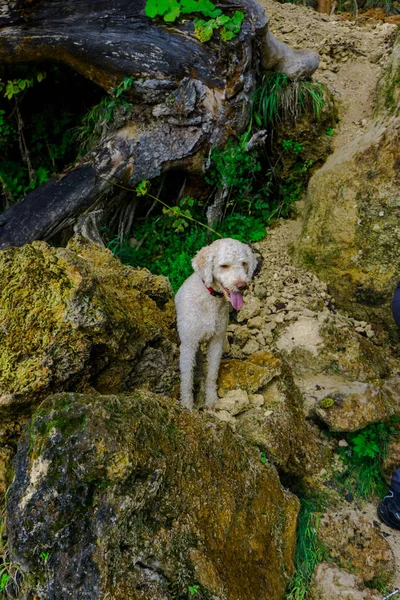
<point x="226" y="266"/>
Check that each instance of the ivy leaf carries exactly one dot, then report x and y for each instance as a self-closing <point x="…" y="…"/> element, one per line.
<point x="237" y="18"/>
<point x="142" y="188"/>
<point x="172" y="14"/>
<point x="204" y="29"/>
<point x="222" y="20"/>
<point x="151" y="9"/>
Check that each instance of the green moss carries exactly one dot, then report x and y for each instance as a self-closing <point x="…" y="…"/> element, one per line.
<point x="326" y="402"/>
<point x="389" y="91"/>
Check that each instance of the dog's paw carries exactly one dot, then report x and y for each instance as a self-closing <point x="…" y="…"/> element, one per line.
<point x="187" y="402"/>
<point x="211" y="400"/>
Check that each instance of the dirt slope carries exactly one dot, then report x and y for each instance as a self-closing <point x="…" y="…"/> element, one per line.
<point x="353" y="56"/>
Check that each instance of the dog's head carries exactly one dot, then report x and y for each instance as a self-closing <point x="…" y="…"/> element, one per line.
<point x="227" y="266"/>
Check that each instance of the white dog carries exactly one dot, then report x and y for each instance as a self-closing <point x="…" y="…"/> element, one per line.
<point x="222" y="271"/>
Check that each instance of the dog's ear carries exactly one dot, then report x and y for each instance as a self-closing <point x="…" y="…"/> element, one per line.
<point x="253" y="263"/>
<point x="203" y="265"/>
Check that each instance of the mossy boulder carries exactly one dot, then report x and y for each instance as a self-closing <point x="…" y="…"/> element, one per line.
<point x="76" y="318"/>
<point x="351" y="231"/>
<point x="135" y="497"/>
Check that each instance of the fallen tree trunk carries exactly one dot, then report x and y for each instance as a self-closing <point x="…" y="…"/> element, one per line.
<point x="187" y="96"/>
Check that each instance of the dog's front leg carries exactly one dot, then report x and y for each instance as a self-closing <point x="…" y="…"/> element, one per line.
<point x="187" y="362"/>
<point x="214" y="353"/>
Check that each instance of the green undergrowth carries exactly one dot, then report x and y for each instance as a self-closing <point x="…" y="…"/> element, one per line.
<point x="363" y="460"/>
<point x="166" y="242"/>
<point x="253" y="192"/>
<point x="227" y="26"/>
<point x="309" y="550"/>
<point x="38" y="117"/>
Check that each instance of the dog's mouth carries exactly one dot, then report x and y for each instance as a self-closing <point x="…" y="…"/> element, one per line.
<point x="235" y="298"/>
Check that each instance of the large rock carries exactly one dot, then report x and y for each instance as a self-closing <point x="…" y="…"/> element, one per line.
<point x="269" y="418"/>
<point x="344" y="377"/>
<point x="356" y="405"/>
<point x="134" y="497"/>
<point x="332" y="583"/>
<point x="75" y="318"/>
<point x="351" y="232"/>
<point x="357" y="544"/>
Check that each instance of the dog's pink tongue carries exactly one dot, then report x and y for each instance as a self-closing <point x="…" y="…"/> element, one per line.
<point x="237" y="300"/>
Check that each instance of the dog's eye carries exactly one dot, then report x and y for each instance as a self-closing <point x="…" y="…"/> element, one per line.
<point x="245" y="265"/>
<point x="224" y="266"/>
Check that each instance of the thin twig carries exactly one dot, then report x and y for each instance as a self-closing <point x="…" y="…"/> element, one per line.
<point x="176" y="212"/>
<point x="22" y="143"/>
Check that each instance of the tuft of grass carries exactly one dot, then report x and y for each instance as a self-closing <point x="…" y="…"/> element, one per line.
<point x="309" y="551"/>
<point x="280" y="98"/>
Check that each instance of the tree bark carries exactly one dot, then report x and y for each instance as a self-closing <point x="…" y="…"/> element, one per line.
<point x="188" y="96"/>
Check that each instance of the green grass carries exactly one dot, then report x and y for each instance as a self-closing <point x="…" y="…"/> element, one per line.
<point x="309" y="551"/>
<point x="280" y="98"/>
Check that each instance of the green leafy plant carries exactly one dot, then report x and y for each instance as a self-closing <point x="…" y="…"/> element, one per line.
<point x="13" y="87"/>
<point x="280" y="98"/>
<point x="34" y="143"/>
<point x="171" y="10"/>
<point x="330" y="131"/>
<point x="228" y="27"/>
<point x="193" y="589"/>
<point x="263" y="457"/>
<point x="363" y="459"/>
<point x="44" y="556"/>
<point x="4" y="579"/>
<point x="292" y="146"/>
<point x="233" y="167"/>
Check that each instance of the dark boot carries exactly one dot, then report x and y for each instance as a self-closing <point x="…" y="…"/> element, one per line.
<point x="389" y="508"/>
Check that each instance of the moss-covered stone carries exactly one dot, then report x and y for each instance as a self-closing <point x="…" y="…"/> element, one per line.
<point x="351" y="232"/>
<point x="75" y="317"/>
<point x="249" y="375"/>
<point x="136" y="497"/>
<point x="389" y="90"/>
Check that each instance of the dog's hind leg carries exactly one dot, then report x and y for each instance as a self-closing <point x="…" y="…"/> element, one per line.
<point x="214" y="353"/>
<point x="187" y="361"/>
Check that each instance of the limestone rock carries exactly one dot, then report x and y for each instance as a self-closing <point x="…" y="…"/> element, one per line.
<point x="234" y="402"/>
<point x="279" y="428"/>
<point x="251" y="309"/>
<point x="75" y="318"/>
<point x="135" y="497"/>
<point x="248" y="375"/>
<point x="351" y="232"/>
<point x="356" y="405"/>
<point x="352" y="539"/>
<point x="329" y="345"/>
<point x="332" y="583"/>
<point x="392" y="459"/>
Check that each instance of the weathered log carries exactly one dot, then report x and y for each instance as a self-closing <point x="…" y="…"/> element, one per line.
<point x="188" y="96"/>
